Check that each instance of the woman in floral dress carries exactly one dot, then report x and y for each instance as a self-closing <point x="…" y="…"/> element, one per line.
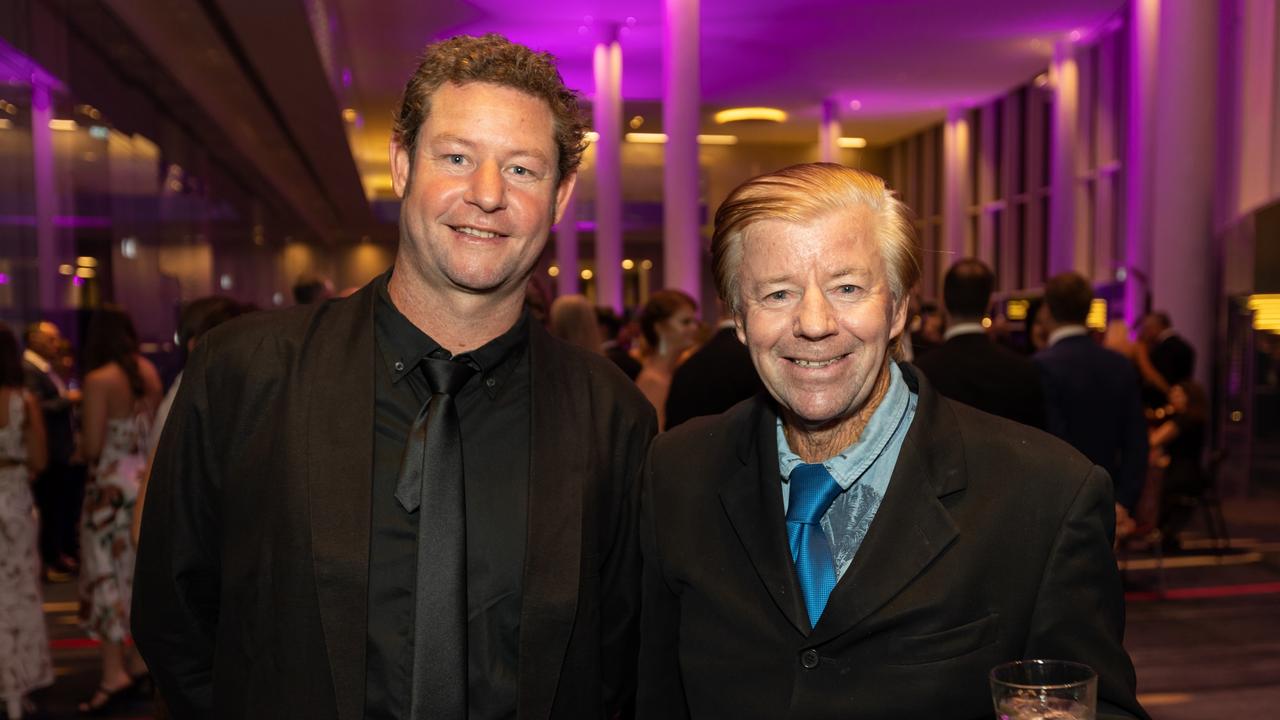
<point x="121" y="392"/>
<point x="24" y="644"/>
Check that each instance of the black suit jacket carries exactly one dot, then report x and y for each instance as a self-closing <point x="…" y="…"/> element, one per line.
<point x="1094" y="402"/>
<point x="715" y="378"/>
<point x="993" y="543"/>
<point x="56" y="411"/>
<point x="975" y="371"/>
<point x="251" y="589"/>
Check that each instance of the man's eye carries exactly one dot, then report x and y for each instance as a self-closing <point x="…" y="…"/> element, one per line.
<point x="777" y="295"/>
<point x="455" y="159"/>
<point x="847" y="289"/>
<point x="518" y="170"/>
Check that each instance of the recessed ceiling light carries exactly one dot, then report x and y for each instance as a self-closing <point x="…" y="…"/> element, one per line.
<point x="750" y="113"/>
<point x="855" y="104"/>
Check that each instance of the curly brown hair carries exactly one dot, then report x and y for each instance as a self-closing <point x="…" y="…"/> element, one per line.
<point x="492" y="59"/>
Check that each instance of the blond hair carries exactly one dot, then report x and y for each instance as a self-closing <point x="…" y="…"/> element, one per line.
<point x="801" y="194"/>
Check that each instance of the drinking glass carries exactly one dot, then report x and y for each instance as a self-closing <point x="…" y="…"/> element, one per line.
<point x="1044" y="690"/>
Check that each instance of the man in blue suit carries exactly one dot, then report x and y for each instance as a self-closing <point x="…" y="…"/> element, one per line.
<point x="1092" y="393"/>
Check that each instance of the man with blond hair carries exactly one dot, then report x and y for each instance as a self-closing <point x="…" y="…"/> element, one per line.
<point x="854" y="544"/>
<point x="411" y="502"/>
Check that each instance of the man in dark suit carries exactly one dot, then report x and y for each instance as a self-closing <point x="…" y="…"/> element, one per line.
<point x="855" y="544"/>
<point x="968" y="366"/>
<point x="1091" y="393"/>
<point x="715" y="378"/>
<point x="59" y="488"/>
<point x="406" y="504"/>
<point x="1169" y="358"/>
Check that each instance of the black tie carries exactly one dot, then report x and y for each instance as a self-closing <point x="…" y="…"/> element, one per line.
<point x="431" y="482"/>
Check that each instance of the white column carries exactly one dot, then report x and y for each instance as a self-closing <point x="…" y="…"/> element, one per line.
<point x="567" y="249"/>
<point x="1144" y="28"/>
<point x="1259" y="116"/>
<point x="681" y="224"/>
<point x="48" y="251"/>
<point x="607" y="111"/>
<point x="829" y="132"/>
<point x="955" y="189"/>
<point x="1181" y="240"/>
<point x="1062" y="189"/>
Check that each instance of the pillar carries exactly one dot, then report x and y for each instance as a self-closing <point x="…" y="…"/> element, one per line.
<point x="49" y="254"/>
<point x="955" y="189"/>
<point x="1064" y="75"/>
<point x="567" y="249"/>
<point x="829" y="132"/>
<point x="607" y="112"/>
<point x="1180" y="244"/>
<point x="681" y="221"/>
<point x="1139" y="158"/>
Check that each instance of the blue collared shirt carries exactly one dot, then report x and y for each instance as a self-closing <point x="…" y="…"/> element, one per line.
<point x="867" y="464"/>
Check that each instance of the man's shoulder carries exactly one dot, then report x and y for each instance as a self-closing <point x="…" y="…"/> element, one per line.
<point x="605" y="377"/>
<point x="1015" y="451"/>
<point x="709" y="435"/>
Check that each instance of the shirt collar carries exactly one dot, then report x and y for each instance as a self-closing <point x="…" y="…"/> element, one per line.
<point x="1065" y="332"/>
<point x="963" y="328"/>
<point x="852" y="462"/>
<point x="39" y="362"/>
<point x="403" y="345"/>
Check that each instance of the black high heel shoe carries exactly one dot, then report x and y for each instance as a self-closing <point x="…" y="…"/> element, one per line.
<point x="112" y="700"/>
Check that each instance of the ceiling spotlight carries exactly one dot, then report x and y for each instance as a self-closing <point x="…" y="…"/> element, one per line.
<point x="852" y="142"/>
<point x="855" y="104"/>
<point x="349" y="114"/>
<point x="591" y="136"/>
<point x="750" y="113"/>
<point x="586" y="274"/>
<point x="636" y="122"/>
<point x="553" y="271"/>
<point x="628" y="264"/>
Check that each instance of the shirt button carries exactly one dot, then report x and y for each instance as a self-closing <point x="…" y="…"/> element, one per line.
<point x="809" y="659"/>
<point x="490" y="382"/>
<point x="399" y="366"/>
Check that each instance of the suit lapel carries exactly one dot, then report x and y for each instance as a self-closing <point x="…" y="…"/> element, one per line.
<point x="552" y="568"/>
<point x="335" y="379"/>
<point x="912" y="527"/>
<point x="752" y="499"/>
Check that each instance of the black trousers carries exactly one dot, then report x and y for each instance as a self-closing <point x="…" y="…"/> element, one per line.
<point x="59" y="493"/>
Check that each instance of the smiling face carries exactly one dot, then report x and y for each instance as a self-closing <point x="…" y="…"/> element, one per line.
<point x="479" y="199"/>
<point x="817" y="313"/>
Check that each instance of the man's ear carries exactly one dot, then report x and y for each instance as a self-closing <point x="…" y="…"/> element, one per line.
<point x="563" y="193"/>
<point x="401" y="167"/>
<point x="740" y="324"/>
<point x="900" y="313"/>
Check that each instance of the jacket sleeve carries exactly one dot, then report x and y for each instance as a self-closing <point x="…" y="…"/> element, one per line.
<point x="1079" y="612"/>
<point x="661" y="693"/>
<point x="620" y="573"/>
<point x="177" y="581"/>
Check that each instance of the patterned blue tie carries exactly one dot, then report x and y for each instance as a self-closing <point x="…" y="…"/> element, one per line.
<point x="812" y="492"/>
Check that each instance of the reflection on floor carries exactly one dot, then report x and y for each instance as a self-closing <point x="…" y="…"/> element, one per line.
<point x="1206" y="644"/>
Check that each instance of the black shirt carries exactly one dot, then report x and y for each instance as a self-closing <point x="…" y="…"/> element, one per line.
<point x="493" y="410"/>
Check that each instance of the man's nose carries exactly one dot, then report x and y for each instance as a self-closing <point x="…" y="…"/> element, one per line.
<point x="815" y="317"/>
<point x="486" y="190"/>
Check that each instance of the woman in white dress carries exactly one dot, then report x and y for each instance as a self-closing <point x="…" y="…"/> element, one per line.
<point x="24" y="643"/>
<point x="121" y="392"/>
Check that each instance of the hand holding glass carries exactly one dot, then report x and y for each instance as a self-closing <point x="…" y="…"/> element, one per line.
<point x="1044" y="690"/>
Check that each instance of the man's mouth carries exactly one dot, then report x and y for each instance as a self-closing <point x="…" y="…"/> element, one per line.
<point x="816" y="364"/>
<point x="475" y="232"/>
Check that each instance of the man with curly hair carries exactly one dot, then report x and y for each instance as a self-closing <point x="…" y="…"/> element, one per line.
<point x="413" y="502"/>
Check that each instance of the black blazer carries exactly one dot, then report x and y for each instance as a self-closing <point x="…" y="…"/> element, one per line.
<point x="56" y="411"/>
<point x="251" y="589"/>
<point x="977" y="372"/>
<point x="992" y="544"/>
<point x="1094" y="402"/>
<point x="715" y="378"/>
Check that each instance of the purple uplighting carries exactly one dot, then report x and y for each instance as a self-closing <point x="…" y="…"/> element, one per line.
<point x="4" y="279"/>
<point x="77" y="281"/>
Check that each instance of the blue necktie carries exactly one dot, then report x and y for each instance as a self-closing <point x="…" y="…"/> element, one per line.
<point x="812" y="492"/>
